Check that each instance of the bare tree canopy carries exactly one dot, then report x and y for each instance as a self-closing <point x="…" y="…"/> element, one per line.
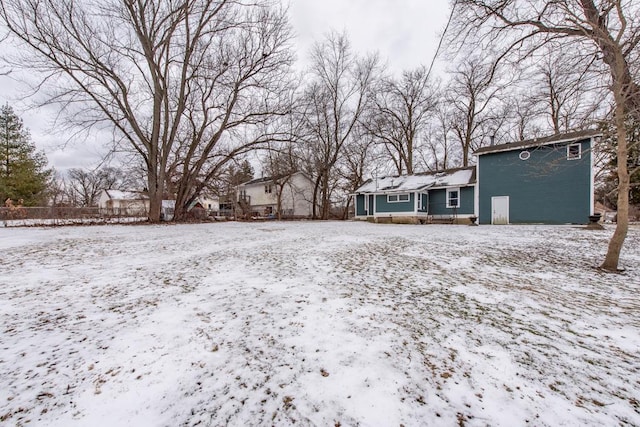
<point x="399" y="115"/>
<point x="606" y="30"/>
<point x="179" y="81"/>
<point x="81" y="188"/>
<point x="335" y="100"/>
<point x="473" y="99"/>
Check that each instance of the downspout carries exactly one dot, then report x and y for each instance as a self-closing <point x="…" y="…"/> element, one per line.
<point x="592" y="177"/>
<point x="476" y="193"/>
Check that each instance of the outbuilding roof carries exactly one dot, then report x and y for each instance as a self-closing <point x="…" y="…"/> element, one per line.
<point x="537" y="142"/>
<point x="417" y="182"/>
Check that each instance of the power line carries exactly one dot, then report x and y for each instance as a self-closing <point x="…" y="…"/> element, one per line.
<point x="453" y="7"/>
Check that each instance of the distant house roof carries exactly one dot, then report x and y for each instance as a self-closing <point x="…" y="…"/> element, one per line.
<point x="537" y="142"/>
<point x="404" y="183"/>
<point x="268" y="179"/>
<point x="258" y="181"/>
<point x="126" y="195"/>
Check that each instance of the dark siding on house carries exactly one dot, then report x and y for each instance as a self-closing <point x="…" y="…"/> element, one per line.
<point x="360" y="204"/>
<point x="438" y="202"/>
<point x="546" y="188"/>
<point x="467" y="201"/>
<point x="382" y="206"/>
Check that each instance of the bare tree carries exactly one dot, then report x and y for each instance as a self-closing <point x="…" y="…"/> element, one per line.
<point x="4" y="71"/>
<point x="334" y="102"/>
<point x="356" y="163"/>
<point x="567" y="89"/>
<point x="439" y="153"/>
<point x="607" y="30"/>
<point x="400" y="114"/>
<point x="181" y="82"/>
<point x="524" y="115"/>
<point x="281" y="163"/>
<point x="82" y="187"/>
<point x="472" y="96"/>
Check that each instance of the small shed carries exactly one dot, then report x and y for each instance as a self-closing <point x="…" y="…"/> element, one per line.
<point x="119" y="202"/>
<point x="168" y="210"/>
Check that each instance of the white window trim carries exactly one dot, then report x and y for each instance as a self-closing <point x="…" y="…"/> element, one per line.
<point x="420" y="197"/>
<point x="397" y="196"/>
<point x="450" y="190"/>
<point x="579" y="156"/>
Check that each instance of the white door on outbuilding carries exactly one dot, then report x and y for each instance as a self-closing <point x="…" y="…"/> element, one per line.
<point x="500" y="210"/>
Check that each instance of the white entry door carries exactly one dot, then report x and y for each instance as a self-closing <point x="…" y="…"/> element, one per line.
<point x="500" y="210"/>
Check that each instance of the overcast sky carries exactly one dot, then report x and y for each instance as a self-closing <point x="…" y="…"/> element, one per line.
<point x="405" y="33"/>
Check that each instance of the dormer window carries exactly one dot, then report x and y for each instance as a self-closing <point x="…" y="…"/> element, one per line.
<point x="574" y="151"/>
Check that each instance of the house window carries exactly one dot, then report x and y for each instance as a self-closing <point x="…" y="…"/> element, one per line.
<point x="395" y="198"/>
<point x="574" y="151"/>
<point x="267" y="189"/>
<point x="453" y="197"/>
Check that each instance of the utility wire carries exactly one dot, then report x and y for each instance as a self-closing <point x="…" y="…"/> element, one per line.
<point x="444" y="33"/>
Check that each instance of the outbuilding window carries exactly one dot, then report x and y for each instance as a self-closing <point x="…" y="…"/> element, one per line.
<point x="574" y="151"/>
<point x="453" y="197"/>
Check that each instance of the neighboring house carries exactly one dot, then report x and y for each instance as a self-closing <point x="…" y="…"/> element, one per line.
<point x="209" y="203"/>
<point x="545" y="180"/>
<point x="117" y="202"/>
<point x="259" y="197"/>
<point x="444" y="196"/>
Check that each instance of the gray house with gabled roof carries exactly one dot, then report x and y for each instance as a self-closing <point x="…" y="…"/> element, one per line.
<point x="544" y="180"/>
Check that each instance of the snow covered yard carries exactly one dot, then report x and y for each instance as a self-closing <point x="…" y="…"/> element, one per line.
<point x="316" y="323"/>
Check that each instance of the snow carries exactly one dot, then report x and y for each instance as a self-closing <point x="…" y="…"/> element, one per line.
<point x="317" y="323"/>
<point x="405" y="183"/>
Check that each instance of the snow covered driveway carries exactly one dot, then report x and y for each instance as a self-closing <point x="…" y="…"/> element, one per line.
<point x="317" y="323"/>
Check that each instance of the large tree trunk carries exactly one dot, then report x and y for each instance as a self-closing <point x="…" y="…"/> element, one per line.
<point x="622" y="224"/>
<point x="326" y="202"/>
<point x="627" y="99"/>
<point x="316" y="191"/>
<point x="155" y="196"/>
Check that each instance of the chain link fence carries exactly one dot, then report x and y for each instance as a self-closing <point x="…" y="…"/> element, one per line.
<point x="54" y="215"/>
